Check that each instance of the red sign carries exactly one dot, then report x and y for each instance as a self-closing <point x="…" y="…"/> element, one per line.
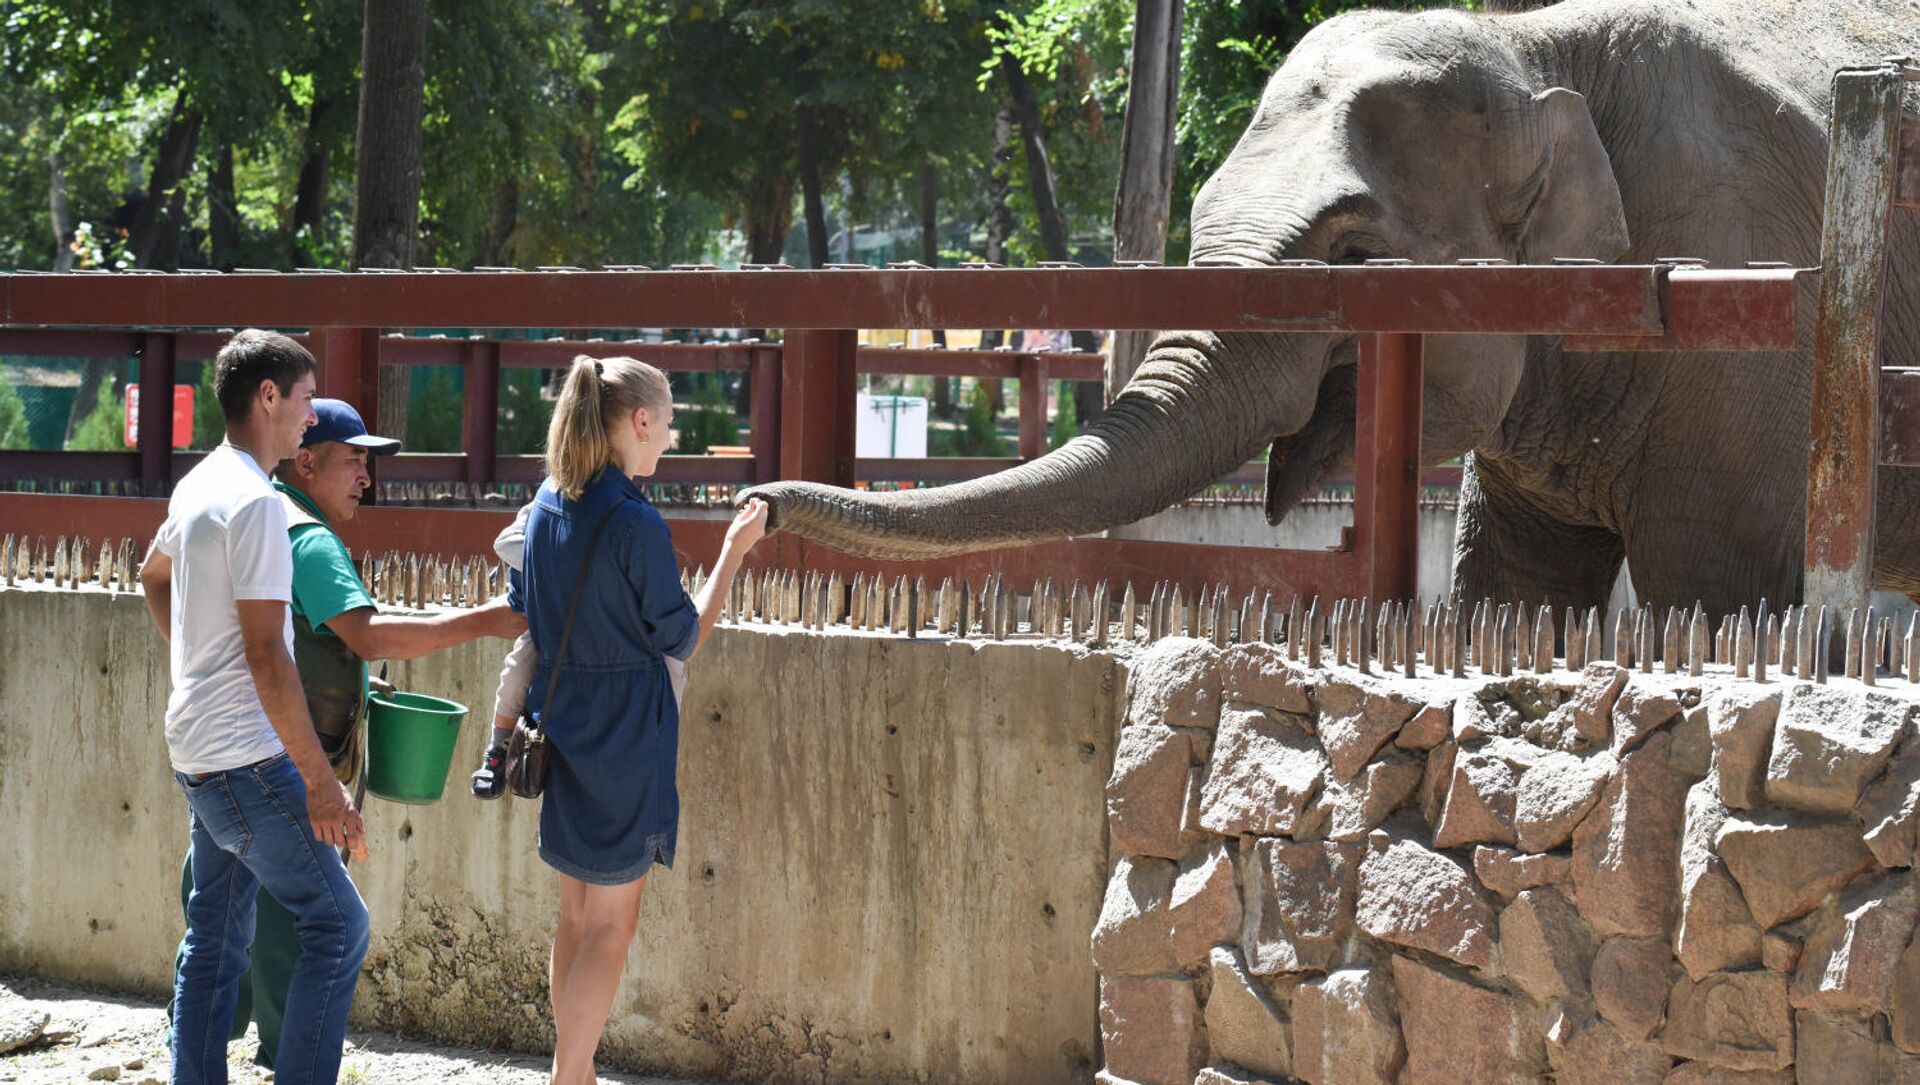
<point x="182" y="415"/>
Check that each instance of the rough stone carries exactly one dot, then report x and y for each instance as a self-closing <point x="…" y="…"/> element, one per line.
<point x="1146" y="795"/>
<point x="1436" y="780"/>
<point x="1740" y="721"/>
<point x="1625" y="851"/>
<point x="1161" y="918"/>
<point x="1412" y="896"/>
<point x="1592" y="703"/>
<point x="1715" y="930"/>
<point x="1785" y="863"/>
<point x="1734" y="1020"/>
<point x="1507" y="872"/>
<point x="1905" y="1016"/>
<point x="1700" y="1073"/>
<point x="1474" y="721"/>
<point x="1692" y="752"/>
<point x="1456" y="1031"/>
<point x="21" y="1023"/>
<point x="1480" y="800"/>
<point x="1151" y="1030"/>
<point x="1600" y="1054"/>
<point x="1890" y="809"/>
<point x="1345" y="1029"/>
<point x="1266" y="768"/>
<point x="1176" y="681"/>
<point x="1778" y="952"/>
<point x="1544" y="948"/>
<point x="1260" y="674"/>
<point x="1428" y="728"/>
<point x="1244" y="1027"/>
<point x="1836" y="1051"/>
<point x="1358" y="806"/>
<point x="1214" y="1075"/>
<point x="1299" y="907"/>
<point x="1829" y="741"/>
<point x="1356" y="718"/>
<point x="1643" y="707"/>
<point x="1848" y="962"/>
<point x="1630" y="981"/>
<point x="1555" y="793"/>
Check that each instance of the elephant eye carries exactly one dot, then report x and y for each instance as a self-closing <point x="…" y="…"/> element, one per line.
<point x="1355" y="252"/>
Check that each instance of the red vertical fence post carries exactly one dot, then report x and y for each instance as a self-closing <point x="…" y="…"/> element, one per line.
<point x="1033" y="407"/>
<point x="817" y="384"/>
<point x="763" y="417"/>
<point x="481" y="418"/>
<point x="1387" y="464"/>
<point x="156" y="414"/>
<point x="350" y="369"/>
<point x="1845" y="446"/>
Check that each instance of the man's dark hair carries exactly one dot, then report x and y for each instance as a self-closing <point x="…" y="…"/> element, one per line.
<point x="250" y="357"/>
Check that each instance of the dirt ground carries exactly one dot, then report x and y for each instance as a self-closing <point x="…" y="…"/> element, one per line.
<point x="102" y="1037"/>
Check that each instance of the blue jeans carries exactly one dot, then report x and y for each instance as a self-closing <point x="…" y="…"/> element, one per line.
<point x="250" y="830"/>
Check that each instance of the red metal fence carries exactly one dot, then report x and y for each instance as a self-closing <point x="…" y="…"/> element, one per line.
<point x="806" y="387"/>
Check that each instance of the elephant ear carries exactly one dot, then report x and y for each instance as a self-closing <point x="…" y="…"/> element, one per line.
<point x="1572" y="201"/>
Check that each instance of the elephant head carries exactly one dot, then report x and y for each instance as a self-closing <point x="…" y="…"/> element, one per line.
<point x="1419" y="136"/>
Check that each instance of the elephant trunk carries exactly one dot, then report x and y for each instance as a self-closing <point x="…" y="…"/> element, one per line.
<point x="1199" y="406"/>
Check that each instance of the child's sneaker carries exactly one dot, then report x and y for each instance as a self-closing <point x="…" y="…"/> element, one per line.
<point x="490" y="781"/>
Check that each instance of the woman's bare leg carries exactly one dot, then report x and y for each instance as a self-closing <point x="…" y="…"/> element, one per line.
<point x="589" y="953"/>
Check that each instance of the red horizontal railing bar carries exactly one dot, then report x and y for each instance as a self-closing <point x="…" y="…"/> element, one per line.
<point x="452" y="467"/>
<point x="193" y="346"/>
<point x="935" y="469"/>
<point x="1473" y="299"/>
<point x="464" y="533"/>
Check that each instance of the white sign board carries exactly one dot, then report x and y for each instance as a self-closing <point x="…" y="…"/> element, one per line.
<point x="890" y="427"/>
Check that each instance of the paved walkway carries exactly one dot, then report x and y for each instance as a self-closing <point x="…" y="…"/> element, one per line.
<point x="102" y="1037"/>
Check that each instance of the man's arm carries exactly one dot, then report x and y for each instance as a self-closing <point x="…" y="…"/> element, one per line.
<point x="156" y="582"/>
<point x="329" y="807"/>
<point x="373" y="635"/>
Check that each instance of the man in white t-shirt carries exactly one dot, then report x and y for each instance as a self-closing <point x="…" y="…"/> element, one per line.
<point x="267" y="809"/>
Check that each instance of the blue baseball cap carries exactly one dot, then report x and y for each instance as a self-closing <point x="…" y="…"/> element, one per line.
<point x="338" y="421"/>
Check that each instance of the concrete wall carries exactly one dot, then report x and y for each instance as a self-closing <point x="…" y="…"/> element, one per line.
<point x="891" y="854"/>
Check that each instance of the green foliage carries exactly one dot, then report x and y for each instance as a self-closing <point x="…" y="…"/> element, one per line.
<point x="209" y="425"/>
<point x="524" y="414"/>
<point x="977" y="436"/>
<point x="104" y="428"/>
<point x="708" y="421"/>
<point x="13" y="416"/>
<point x="1066" y="424"/>
<point x="435" y="409"/>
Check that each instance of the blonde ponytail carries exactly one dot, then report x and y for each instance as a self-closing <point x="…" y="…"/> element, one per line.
<point x="597" y="392"/>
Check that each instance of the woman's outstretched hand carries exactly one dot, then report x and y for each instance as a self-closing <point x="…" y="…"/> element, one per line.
<point x="749" y="526"/>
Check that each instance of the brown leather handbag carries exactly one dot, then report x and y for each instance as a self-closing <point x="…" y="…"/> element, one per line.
<point x="527" y="749"/>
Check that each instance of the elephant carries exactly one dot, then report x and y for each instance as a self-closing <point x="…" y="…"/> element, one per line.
<point x="1618" y="130"/>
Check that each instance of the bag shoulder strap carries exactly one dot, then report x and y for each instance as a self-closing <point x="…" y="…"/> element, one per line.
<point x="573" y="607"/>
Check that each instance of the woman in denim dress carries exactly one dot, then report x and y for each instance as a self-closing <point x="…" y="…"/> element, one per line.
<point x="610" y="810"/>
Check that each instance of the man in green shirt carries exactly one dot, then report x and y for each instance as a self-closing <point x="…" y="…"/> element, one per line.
<point x="337" y="629"/>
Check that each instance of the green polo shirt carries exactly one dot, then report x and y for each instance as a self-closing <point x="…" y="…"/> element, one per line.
<point x="325" y="583"/>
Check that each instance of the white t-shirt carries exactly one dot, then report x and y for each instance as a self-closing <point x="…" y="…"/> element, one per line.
<point x="226" y="533"/>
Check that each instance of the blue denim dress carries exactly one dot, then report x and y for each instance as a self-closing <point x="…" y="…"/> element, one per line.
<point x="611" y="809"/>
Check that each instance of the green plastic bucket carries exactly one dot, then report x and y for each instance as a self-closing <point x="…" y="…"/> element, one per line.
<point x="410" y="741"/>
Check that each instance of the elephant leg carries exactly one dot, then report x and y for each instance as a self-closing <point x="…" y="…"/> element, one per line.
<point x="1506" y="549"/>
<point x="1719" y="550"/>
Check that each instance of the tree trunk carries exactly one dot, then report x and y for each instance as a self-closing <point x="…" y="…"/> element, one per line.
<point x="57" y="213"/>
<point x="1046" y="203"/>
<point x="170" y="165"/>
<point x="816" y="212"/>
<point x="223" y="219"/>
<point x="769" y="217"/>
<point x="310" y="192"/>
<point x="386" y="196"/>
<point x="153" y="238"/>
<point x="942" y="400"/>
<point x="1142" y="201"/>
<point x="496" y="245"/>
<point x="999" y="221"/>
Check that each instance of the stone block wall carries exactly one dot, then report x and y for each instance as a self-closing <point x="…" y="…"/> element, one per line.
<point x="1605" y="878"/>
